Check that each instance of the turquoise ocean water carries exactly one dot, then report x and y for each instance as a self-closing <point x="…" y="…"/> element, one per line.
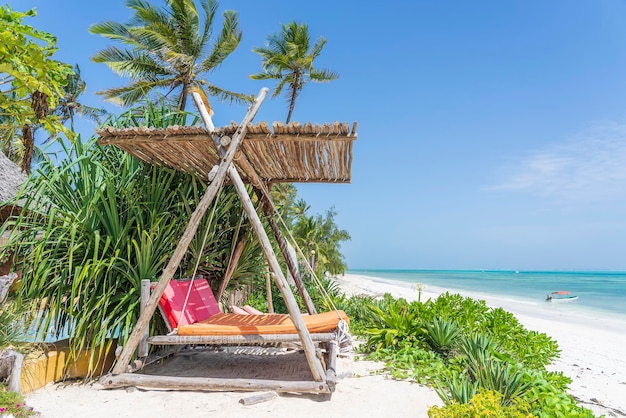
<point x="599" y="291"/>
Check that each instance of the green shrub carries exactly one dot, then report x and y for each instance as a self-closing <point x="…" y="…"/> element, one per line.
<point x="392" y="325"/>
<point x="485" y="404"/>
<point x="457" y="389"/>
<point x="357" y="309"/>
<point x="12" y="403"/>
<point x="414" y="363"/>
<point x="548" y="398"/>
<point x="14" y="326"/>
<point x="492" y="353"/>
<point x="442" y="335"/>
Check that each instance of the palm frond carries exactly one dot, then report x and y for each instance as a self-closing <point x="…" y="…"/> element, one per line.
<point x="230" y="96"/>
<point x="168" y="43"/>
<point x="321" y="76"/>
<point x="225" y="44"/>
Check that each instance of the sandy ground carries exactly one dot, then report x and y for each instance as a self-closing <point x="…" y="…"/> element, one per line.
<point x="592" y="355"/>
<point x="360" y="392"/>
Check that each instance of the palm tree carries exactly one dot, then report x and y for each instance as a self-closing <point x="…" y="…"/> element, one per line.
<point x="288" y="58"/>
<point x="169" y="48"/>
<point x="321" y="236"/>
<point x="69" y="104"/>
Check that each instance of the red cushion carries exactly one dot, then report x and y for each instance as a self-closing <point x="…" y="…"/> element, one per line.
<point x="201" y="304"/>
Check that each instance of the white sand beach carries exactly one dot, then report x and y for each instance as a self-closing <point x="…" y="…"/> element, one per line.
<point x="592" y="355"/>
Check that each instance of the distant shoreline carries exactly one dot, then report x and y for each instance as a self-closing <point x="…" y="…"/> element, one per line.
<point x="603" y="298"/>
<point x="591" y="343"/>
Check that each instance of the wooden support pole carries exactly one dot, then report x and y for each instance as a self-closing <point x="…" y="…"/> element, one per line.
<point x="317" y="370"/>
<point x="268" y="290"/>
<point x="11" y="362"/>
<point x="267" y="205"/>
<point x="232" y="264"/>
<point x="331" y="368"/>
<point x="144" y="319"/>
<point x="145" y="296"/>
<point x="255" y="399"/>
<point x="5" y="285"/>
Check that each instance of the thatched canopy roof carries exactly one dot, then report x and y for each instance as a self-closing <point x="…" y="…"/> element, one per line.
<point x="11" y="178"/>
<point x="288" y="153"/>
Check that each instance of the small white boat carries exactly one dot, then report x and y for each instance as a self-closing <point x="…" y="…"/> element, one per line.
<point x="561" y="296"/>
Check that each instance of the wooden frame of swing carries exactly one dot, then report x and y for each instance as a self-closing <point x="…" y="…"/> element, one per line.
<point x="324" y="378"/>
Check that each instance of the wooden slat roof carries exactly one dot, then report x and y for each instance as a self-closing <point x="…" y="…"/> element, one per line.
<point x="295" y="152"/>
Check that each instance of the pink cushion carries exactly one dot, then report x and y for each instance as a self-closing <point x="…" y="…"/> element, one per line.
<point x="237" y="310"/>
<point x="249" y="309"/>
<point x="201" y="304"/>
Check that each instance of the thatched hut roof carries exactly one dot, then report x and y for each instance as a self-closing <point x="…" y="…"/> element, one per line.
<point x="11" y="178"/>
<point x="289" y="153"/>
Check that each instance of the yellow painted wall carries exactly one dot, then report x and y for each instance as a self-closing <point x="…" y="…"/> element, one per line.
<point x="53" y="365"/>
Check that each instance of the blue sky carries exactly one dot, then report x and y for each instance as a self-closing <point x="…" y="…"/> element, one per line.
<point x="492" y="135"/>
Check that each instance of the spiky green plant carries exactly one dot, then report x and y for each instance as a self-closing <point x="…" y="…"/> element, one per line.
<point x="457" y="388"/>
<point x="392" y="323"/>
<point x="442" y="335"/>
<point x="96" y="223"/>
<point x="14" y="319"/>
<point x="489" y="372"/>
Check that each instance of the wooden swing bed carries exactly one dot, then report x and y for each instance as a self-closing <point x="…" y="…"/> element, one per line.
<point x="241" y="154"/>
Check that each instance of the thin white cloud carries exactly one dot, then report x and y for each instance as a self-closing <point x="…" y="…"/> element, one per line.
<point x="591" y="166"/>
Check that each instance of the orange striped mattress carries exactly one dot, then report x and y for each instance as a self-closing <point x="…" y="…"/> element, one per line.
<point x="236" y="324"/>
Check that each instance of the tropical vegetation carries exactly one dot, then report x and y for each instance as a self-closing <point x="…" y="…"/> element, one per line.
<point x="288" y="58"/>
<point x="70" y="105"/>
<point x="169" y="50"/>
<point x="31" y="81"/>
<point x="481" y="360"/>
<point x="98" y="222"/>
<point x="13" y="405"/>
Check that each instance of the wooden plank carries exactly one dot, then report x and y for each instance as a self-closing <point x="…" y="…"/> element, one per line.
<point x="150" y="139"/>
<point x="237" y="339"/>
<point x="331" y="367"/>
<point x="145" y="296"/>
<point x="211" y="384"/>
<point x="268" y="210"/>
<point x="292" y="306"/>
<point x="255" y="399"/>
